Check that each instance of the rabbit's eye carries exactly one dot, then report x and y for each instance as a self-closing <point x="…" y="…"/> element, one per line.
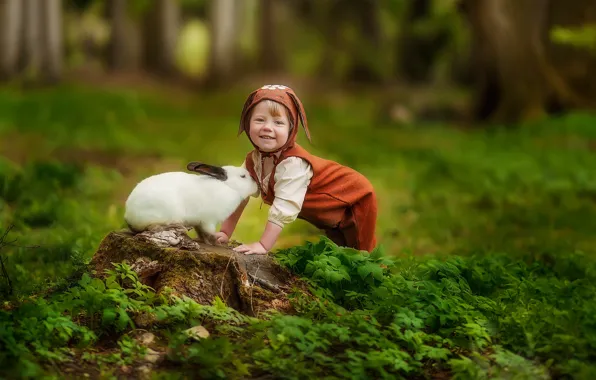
<point x="243" y="176"/>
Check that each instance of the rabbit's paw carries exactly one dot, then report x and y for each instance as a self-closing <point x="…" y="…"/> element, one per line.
<point x="206" y="237"/>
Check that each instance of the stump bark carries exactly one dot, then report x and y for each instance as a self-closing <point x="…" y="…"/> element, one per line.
<point x="250" y="284"/>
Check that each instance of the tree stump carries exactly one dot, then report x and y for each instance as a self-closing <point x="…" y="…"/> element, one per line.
<point x="250" y="284"/>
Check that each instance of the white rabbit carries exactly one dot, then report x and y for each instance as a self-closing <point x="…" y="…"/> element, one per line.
<point x="183" y="199"/>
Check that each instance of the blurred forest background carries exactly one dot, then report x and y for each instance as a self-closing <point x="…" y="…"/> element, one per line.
<point x="473" y="119"/>
<point x="414" y="94"/>
<point x="106" y="92"/>
<point x="520" y="60"/>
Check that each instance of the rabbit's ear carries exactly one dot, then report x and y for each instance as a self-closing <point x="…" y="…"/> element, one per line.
<point x="210" y="170"/>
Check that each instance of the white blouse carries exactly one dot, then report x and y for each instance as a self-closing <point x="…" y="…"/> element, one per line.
<point x="291" y="179"/>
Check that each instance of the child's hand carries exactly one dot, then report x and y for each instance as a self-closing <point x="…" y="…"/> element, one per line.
<point x="222" y="238"/>
<point x="251" y="249"/>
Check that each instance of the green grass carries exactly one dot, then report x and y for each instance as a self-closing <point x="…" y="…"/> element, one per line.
<point x="492" y="230"/>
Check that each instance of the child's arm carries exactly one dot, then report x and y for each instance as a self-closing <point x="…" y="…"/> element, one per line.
<point x="229" y="225"/>
<point x="292" y="178"/>
<point x="264" y="244"/>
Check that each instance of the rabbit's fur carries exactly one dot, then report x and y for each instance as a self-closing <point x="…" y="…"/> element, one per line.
<point x="179" y="199"/>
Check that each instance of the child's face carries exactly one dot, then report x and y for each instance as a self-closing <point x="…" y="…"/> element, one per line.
<point x="269" y="126"/>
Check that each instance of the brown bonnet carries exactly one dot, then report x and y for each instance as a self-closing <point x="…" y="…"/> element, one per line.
<point x="280" y="94"/>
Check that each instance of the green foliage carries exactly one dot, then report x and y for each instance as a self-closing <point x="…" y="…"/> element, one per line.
<point x="43" y="329"/>
<point x="583" y="37"/>
<point x="41" y="332"/>
<point x="501" y="364"/>
<point x="52" y="239"/>
<point x="520" y="308"/>
<point x="397" y="318"/>
<point x="38" y="190"/>
<point x="346" y="272"/>
<point x="128" y="352"/>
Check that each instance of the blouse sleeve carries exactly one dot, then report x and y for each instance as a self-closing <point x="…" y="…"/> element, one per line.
<point x="292" y="177"/>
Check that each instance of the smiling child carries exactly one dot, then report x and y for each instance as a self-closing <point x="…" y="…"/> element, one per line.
<point x="297" y="184"/>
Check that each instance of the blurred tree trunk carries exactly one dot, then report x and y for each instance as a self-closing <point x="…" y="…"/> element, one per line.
<point x="10" y="36"/>
<point x="224" y="26"/>
<point x="417" y="53"/>
<point x="515" y="80"/>
<point x="244" y="31"/>
<point x="52" y="45"/>
<point x="31" y="58"/>
<point x="42" y="50"/>
<point x="160" y="35"/>
<point x="121" y="48"/>
<point x="271" y="57"/>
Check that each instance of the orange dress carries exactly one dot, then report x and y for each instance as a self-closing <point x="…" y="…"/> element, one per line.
<point x="339" y="200"/>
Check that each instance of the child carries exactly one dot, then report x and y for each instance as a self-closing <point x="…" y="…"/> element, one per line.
<point x="297" y="184"/>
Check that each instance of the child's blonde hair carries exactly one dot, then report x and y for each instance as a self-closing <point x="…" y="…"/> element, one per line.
<point x="276" y="110"/>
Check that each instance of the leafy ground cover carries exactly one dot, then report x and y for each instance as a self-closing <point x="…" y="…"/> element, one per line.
<point x="486" y="268"/>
